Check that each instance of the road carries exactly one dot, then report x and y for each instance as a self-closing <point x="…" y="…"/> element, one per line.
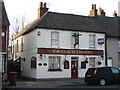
<point x="60" y="84"/>
<point x="93" y="87"/>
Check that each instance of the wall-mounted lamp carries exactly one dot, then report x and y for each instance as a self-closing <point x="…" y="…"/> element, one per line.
<point x="86" y="60"/>
<point x="41" y="56"/>
<point x="99" y="63"/>
<point x="102" y="57"/>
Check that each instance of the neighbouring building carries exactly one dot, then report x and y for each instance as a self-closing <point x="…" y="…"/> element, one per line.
<point x="58" y="45"/>
<point x="112" y="30"/>
<point x="4" y="38"/>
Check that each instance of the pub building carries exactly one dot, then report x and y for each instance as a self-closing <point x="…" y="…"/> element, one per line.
<point x="58" y="45"/>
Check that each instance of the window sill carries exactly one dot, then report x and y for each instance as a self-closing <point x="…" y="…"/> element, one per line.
<point x="54" y="70"/>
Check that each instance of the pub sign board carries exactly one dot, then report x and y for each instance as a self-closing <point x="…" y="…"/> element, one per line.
<point x="69" y="51"/>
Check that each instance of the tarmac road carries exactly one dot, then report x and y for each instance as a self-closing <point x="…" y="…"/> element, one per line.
<point x="57" y="83"/>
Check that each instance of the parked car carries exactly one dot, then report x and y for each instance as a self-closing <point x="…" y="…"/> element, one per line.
<point x="102" y="75"/>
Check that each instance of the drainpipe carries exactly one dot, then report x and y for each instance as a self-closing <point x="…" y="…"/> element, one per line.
<point x="106" y="50"/>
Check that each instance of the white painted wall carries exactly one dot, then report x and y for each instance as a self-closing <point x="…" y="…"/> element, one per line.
<point x="32" y="41"/>
<point x="65" y="39"/>
<point x="30" y="45"/>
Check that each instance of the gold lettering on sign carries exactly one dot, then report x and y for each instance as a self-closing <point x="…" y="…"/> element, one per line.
<point x="72" y="52"/>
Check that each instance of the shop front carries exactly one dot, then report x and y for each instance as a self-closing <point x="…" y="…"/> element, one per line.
<point x="67" y="63"/>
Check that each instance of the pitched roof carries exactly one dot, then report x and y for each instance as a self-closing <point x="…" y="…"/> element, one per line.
<point x="3" y="16"/>
<point x="52" y="20"/>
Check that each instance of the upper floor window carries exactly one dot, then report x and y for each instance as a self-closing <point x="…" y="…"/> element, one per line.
<point x="92" y="41"/>
<point x="22" y="44"/>
<point x="55" y="39"/>
<point x="119" y="46"/>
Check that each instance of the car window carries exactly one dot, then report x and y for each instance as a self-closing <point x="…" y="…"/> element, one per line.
<point x="114" y="70"/>
<point x="91" y="70"/>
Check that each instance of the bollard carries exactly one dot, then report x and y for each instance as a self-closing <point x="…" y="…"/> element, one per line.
<point x="12" y="80"/>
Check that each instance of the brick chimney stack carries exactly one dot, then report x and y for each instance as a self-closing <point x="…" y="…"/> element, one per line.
<point x="42" y="10"/>
<point x="93" y="12"/>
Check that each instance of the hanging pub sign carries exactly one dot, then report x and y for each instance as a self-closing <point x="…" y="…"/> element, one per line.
<point x="66" y="64"/>
<point x="101" y="41"/>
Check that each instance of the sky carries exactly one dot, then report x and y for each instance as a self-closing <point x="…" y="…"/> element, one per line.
<point x="28" y="8"/>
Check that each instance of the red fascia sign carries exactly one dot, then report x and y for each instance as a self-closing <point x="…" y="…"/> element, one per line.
<point x="69" y="51"/>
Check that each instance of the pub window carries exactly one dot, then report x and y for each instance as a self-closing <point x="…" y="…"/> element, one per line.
<point x="92" y="41"/>
<point x="33" y="62"/>
<point x="55" y="39"/>
<point x="66" y="64"/>
<point x="54" y="63"/>
<point x="92" y="62"/>
<point x="83" y="65"/>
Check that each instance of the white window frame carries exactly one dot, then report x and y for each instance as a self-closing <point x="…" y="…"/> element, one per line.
<point x="92" y="41"/>
<point x="55" y="39"/>
<point x="54" y="63"/>
<point x="93" y="64"/>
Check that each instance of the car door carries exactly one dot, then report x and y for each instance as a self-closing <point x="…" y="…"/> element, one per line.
<point x="115" y="74"/>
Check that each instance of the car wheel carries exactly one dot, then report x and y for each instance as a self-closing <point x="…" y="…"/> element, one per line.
<point x="102" y="82"/>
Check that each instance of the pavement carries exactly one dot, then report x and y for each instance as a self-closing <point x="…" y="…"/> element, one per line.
<point x="46" y="83"/>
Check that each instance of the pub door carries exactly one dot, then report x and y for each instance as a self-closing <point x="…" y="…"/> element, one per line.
<point x="74" y="69"/>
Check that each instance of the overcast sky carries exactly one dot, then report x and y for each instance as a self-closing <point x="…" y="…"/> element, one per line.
<point x="28" y="8"/>
<point x="81" y="7"/>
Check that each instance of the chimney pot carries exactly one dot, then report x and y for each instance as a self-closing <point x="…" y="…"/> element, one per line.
<point x="45" y="5"/>
<point x="114" y="14"/>
<point x="41" y="4"/>
<point x="93" y="6"/>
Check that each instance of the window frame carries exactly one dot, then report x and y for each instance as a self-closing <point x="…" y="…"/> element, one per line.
<point x="55" y="39"/>
<point x="83" y="65"/>
<point x="92" y="41"/>
<point x="92" y="65"/>
<point x="53" y="62"/>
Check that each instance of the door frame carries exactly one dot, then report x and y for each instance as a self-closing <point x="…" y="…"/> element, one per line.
<point x="74" y="71"/>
